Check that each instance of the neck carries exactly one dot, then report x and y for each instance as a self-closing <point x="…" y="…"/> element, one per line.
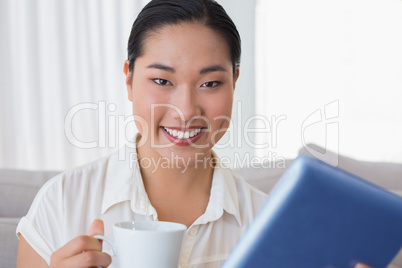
<point x="176" y="171"/>
<point x="179" y="190"/>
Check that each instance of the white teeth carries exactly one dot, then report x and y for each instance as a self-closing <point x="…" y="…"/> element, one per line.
<point x="182" y="135"/>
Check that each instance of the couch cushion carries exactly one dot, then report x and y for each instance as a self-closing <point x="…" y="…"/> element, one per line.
<point x="18" y="189"/>
<point x="8" y="242"/>
<point x="264" y="176"/>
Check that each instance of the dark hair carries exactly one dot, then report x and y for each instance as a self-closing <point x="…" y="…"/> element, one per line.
<point x="158" y="13"/>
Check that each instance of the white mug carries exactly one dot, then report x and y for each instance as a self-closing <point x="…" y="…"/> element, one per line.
<point x="147" y="244"/>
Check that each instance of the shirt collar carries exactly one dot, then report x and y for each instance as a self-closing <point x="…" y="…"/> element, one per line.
<point x="223" y="197"/>
<point x="124" y="181"/>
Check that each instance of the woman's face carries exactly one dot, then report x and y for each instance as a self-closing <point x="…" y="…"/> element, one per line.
<point x="182" y="91"/>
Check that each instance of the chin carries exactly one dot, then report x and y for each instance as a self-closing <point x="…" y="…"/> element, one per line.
<point x="185" y="158"/>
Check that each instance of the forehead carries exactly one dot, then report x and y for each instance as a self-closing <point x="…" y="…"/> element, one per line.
<point x="186" y="43"/>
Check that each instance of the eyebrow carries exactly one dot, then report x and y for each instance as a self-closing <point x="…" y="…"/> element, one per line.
<point x="209" y="69"/>
<point x="213" y="68"/>
<point x="162" y="67"/>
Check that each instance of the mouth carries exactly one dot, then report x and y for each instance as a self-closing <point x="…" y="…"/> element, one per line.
<point x="183" y="137"/>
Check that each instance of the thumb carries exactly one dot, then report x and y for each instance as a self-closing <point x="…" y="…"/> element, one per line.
<point x="97" y="228"/>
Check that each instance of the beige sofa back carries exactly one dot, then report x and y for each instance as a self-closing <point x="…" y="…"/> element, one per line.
<point x="17" y="191"/>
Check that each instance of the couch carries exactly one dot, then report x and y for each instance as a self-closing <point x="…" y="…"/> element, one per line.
<point x="18" y="188"/>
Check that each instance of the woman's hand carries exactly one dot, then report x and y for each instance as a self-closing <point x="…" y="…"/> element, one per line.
<point x="360" y="265"/>
<point x="83" y="251"/>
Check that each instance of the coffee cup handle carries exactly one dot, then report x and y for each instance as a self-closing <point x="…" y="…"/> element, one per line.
<point x="104" y="238"/>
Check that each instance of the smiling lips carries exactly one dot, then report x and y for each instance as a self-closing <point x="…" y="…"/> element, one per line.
<point x="183" y="138"/>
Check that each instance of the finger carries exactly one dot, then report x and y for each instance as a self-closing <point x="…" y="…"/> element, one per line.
<point x="361" y="265"/>
<point x="89" y="259"/>
<point x="77" y="246"/>
<point x="96" y="228"/>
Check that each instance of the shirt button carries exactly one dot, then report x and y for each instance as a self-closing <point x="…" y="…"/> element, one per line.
<point x="193" y="231"/>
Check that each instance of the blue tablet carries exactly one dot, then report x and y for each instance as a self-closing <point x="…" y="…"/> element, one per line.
<point x="321" y="216"/>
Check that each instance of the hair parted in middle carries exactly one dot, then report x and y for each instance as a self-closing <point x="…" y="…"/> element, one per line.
<point x="159" y="13"/>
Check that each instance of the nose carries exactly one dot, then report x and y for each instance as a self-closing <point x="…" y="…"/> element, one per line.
<point x="185" y="104"/>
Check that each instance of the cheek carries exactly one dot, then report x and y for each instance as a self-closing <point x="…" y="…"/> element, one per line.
<point x="142" y="99"/>
<point x="221" y="111"/>
<point x="220" y="118"/>
<point x="147" y="116"/>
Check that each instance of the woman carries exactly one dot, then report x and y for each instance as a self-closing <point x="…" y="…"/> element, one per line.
<point x="181" y="72"/>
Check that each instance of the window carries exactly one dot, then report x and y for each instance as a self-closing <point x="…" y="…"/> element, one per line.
<point x="333" y="71"/>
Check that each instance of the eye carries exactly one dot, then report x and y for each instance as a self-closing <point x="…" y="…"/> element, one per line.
<point x="162" y="82"/>
<point x="211" y="84"/>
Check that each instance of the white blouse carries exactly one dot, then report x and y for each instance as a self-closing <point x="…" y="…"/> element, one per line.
<point x="112" y="189"/>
